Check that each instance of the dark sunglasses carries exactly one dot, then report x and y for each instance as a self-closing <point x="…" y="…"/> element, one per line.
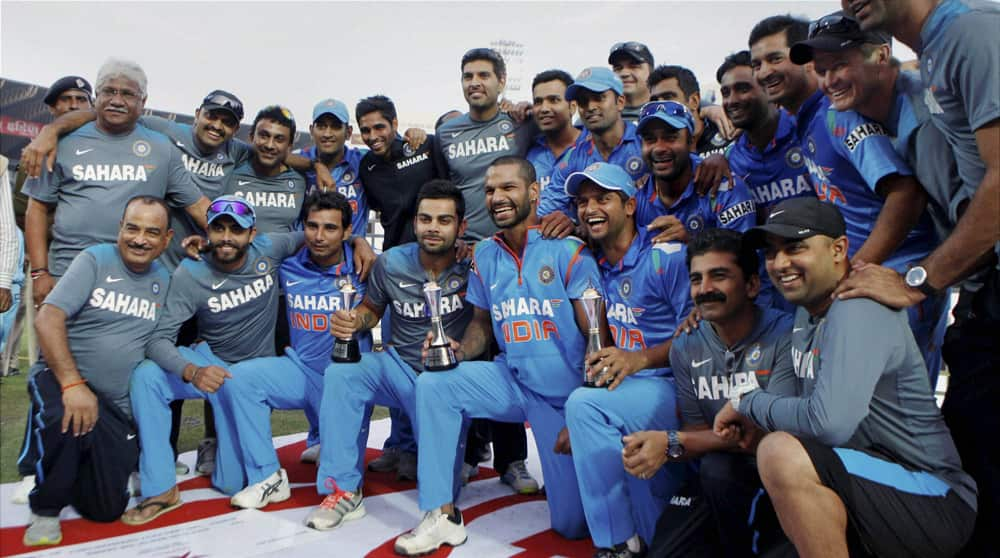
<point x="242" y="209"/>
<point x="672" y="108"/>
<point x="225" y="102"/>
<point x="629" y="45"/>
<point x="836" y="24"/>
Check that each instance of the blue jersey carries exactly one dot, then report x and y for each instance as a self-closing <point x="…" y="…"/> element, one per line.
<point x="847" y="155"/>
<point x="545" y="161"/>
<point x="529" y="298"/>
<point x="627" y="155"/>
<point x="312" y="294"/>
<point x="648" y="294"/>
<point x="347" y="176"/>
<point x="731" y="208"/>
<point x="775" y="174"/>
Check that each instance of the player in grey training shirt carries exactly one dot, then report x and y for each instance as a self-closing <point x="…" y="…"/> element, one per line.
<point x="737" y="342"/>
<point x="864" y="439"/>
<point x="92" y="329"/>
<point x="389" y="377"/>
<point x="474" y="140"/>
<point x="274" y="189"/>
<point x="100" y="166"/>
<point x="233" y="294"/>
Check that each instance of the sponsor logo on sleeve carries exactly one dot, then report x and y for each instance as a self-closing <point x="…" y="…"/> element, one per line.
<point x="863" y="131"/>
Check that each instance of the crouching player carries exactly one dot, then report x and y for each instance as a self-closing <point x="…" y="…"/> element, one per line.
<point x="92" y="329"/>
<point x="647" y="296"/>
<point x="389" y="378"/>
<point x="738" y="343"/>
<point x="312" y="279"/>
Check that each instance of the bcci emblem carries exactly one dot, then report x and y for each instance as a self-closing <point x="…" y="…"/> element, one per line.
<point x="695" y="224"/>
<point x="454" y="283"/>
<point x="141" y="148"/>
<point x="625" y="288"/>
<point x="794" y="158"/>
<point x="546" y="275"/>
<point x="291" y="184"/>
<point x="156" y="287"/>
<point x="348" y="178"/>
<point x="633" y="164"/>
<point x="505" y="127"/>
<point x="261" y="266"/>
<point x="407" y="150"/>
<point x="220" y="156"/>
<point x="753" y="357"/>
<point x="80" y="84"/>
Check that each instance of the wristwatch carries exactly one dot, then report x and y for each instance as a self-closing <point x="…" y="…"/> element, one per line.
<point x="916" y="277"/>
<point x="675" y="449"/>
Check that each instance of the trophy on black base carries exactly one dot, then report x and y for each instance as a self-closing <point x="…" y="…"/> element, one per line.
<point x="591" y="300"/>
<point x="439" y="356"/>
<point x="346" y="350"/>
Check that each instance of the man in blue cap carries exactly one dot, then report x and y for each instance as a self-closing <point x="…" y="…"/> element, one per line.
<point x="232" y="292"/>
<point x="667" y="199"/>
<point x="600" y="101"/>
<point x="646" y="290"/>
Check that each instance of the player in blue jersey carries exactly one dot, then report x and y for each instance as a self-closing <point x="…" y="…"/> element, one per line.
<point x="525" y="291"/>
<point x="553" y="113"/>
<point x="389" y="377"/>
<point x="647" y="295"/>
<point x="767" y="155"/>
<point x="667" y="200"/>
<point x="851" y="160"/>
<point x="600" y="101"/>
<point x="312" y="279"/>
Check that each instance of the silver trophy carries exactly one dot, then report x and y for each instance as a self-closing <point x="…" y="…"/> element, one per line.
<point x="591" y="300"/>
<point x="439" y="355"/>
<point x="346" y="350"/>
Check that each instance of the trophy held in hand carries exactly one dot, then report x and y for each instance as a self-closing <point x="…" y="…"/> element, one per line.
<point x="346" y="350"/>
<point x="591" y="300"/>
<point x="439" y="356"/>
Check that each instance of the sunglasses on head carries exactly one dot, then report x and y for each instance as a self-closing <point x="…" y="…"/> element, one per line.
<point x="242" y="209"/>
<point x="629" y="45"/>
<point x="833" y="24"/>
<point x="227" y="103"/>
<point x="671" y="108"/>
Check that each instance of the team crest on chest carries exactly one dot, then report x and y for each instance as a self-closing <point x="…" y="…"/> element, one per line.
<point x="141" y="148"/>
<point x="291" y="184"/>
<point x="262" y="266"/>
<point x="505" y="126"/>
<point x="407" y="150"/>
<point x="753" y="356"/>
<point x="454" y="283"/>
<point x="347" y="178"/>
<point x="633" y="164"/>
<point x="793" y="158"/>
<point x="156" y="287"/>
<point x="695" y="223"/>
<point x="546" y="275"/>
<point x="625" y="288"/>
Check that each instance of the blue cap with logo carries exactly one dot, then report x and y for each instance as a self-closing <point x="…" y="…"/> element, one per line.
<point x="597" y="79"/>
<point x="605" y="175"/>
<point x="333" y="107"/>
<point x="234" y="206"/>
<point x="673" y="113"/>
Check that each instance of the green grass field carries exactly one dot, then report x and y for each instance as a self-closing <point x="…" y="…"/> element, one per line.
<point x="14" y="406"/>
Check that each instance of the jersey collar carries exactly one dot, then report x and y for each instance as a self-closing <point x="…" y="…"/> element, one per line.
<point x="345" y="267"/>
<point x="938" y="21"/>
<point x="632" y="255"/>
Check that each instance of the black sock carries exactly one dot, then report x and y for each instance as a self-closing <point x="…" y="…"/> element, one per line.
<point x="456" y="517"/>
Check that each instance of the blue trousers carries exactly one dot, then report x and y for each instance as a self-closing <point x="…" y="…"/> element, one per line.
<point x="617" y="504"/>
<point x="152" y="390"/>
<point x="259" y="385"/>
<point x="489" y="390"/>
<point x="349" y="392"/>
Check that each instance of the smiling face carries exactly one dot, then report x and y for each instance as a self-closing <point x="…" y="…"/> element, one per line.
<point x="325" y="232"/>
<point x="377" y="132"/>
<point x="718" y="286"/>
<point x="807" y="270"/>
<point x="784" y="81"/>
<point x="509" y="199"/>
<point x="229" y="240"/>
<point x="743" y="99"/>
<point x="599" y="111"/>
<point x="271" y="142"/>
<point x="143" y="235"/>
<point x="848" y="78"/>
<point x="480" y="84"/>
<point x="666" y="150"/>
<point x="604" y="213"/>
<point x="550" y="108"/>
<point x="329" y="134"/>
<point x="119" y="104"/>
<point x="634" y="76"/>
<point x="212" y="128"/>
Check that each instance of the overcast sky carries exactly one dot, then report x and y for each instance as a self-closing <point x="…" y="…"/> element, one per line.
<point x="297" y="53"/>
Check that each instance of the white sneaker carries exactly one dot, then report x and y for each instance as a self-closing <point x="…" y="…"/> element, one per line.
<point x="435" y="529"/>
<point x="23" y="488"/>
<point x="311" y="455"/>
<point x="335" y="509"/>
<point x="518" y="478"/>
<point x="469" y="471"/>
<point x="272" y="489"/>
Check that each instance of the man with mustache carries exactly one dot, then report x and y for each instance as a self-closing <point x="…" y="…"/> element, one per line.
<point x="389" y="377"/>
<point x="860" y="458"/>
<point x="738" y="342"/>
<point x="92" y="329"/>
<point x="647" y="295"/>
<point x="232" y="294"/>
<point x="312" y="280"/>
<point x="667" y="199"/>
<point x="611" y="139"/>
<point x="525" y="290"/>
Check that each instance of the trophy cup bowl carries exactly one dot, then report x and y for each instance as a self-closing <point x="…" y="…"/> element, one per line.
<point x="591" y="300"/>
<point x="346" y="350"/>
<point x="439" y="357"/>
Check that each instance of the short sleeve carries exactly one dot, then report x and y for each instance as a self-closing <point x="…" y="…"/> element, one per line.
<point x="284" y="245"/>
<point x="581" y="271"/>
<point x="74" y="287"/>
<point x="45" y="188"/>
<point x="377" y="281"/>
<point x="736" y="210"/>
<point x="674" y="283"/>
<point x="868" y="146"/>
<point x="181" y="189"/>
<point x="476" y="290"/>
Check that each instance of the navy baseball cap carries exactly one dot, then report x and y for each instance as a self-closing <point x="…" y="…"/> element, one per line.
<point x="63" y="85"/>
<point x="799" y="218"/>
<point x="597" y="79"/>
<point x="223" y="100"/>
<point x="605" y="175"/>
<point x="673" y="113"/>
<point x="332" y="107"/>
<point x="634" y="50"/>
<point x="834" y="33"/>
<point x="234" y="206"/>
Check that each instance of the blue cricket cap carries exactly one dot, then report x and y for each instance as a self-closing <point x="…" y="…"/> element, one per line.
<point x="597" y="79"/>
<point x="605" y="175"/>
<point x="673" y="113"/>
<point x="334" y="107"/>
<point x="234" y="206"/>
